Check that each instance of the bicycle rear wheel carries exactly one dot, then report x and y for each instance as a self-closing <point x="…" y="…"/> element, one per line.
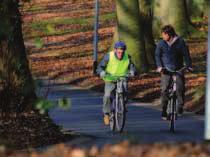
<point x="120" y="114"/>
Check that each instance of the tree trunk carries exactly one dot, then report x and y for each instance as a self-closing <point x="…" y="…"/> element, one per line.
<point x="17" y="87"/>
<point x="115" y="37"/>
<point x="147" y="18"/>
<point x="171" y="12"/>
<point x="187" y="14"/>
<point x="197" y="8"/>
<point x="130" y="31"/>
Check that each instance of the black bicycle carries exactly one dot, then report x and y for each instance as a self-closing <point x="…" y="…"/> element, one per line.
<point x="172" y="103"/>
<point x="117" y="116"/>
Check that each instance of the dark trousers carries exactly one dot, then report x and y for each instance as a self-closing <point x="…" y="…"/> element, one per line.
<point x="180" y="89"/>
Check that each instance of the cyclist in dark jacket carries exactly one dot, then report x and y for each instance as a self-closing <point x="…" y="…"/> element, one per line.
<point x="172" y="54"/>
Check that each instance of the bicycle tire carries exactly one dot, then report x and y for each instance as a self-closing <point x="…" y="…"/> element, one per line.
<point x="112" y="116"/>
<point x="172" y="123"/>
<point x="173" y="115"/>
<point x="120" y="114"/>
<point x="112" y="121"/>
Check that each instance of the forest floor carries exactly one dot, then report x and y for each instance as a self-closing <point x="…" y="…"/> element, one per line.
<point x="30" y="130"/>
<point x="124" y="149"/>
<point x="59" y="42"/>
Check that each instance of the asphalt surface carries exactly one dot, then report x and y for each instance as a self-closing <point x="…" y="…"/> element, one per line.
<point x="143" y="123"/>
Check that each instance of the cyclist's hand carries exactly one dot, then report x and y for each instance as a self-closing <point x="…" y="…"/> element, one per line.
<point x="159" y="69"/>
<point x="102" y="74"/>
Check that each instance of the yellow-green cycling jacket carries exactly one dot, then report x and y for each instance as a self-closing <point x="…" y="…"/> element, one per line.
<point x="115" y="67"/>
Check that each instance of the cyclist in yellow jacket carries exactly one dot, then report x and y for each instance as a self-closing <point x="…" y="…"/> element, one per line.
<point x="114" y="64"/>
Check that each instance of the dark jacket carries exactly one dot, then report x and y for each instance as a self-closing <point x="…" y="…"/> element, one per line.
<point x="102" y="65"/>
<point x="172" y="57"/>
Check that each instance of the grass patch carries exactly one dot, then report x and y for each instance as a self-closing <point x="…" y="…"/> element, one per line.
<point x="44" y="32"/>
<point x="41" y="28"/>
<point x="34" y="8"/>
<point x="108" y="16"/>
<point x="42" y="25"/>
<point x="62" y="32"/>
<point x="197" y="19"/>
<point x="196" y="34"/>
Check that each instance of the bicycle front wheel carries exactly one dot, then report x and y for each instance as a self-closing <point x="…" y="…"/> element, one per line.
<point x="112" y="116"/>
<point x="173" y="115"/>
<point x="112" y="121"/>
<point x="120" y="114"/>
<point x="172" y="123"/>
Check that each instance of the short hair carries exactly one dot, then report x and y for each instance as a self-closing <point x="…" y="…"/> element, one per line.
<point x="168" y="29"/>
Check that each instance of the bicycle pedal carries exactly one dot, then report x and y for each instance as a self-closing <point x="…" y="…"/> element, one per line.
<point x="111" y="116"/>
<point x="164" y="118"/>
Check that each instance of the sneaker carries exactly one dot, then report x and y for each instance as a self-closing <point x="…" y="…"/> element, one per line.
<point x="106" y="119"/>
<point x="164" y="115"/>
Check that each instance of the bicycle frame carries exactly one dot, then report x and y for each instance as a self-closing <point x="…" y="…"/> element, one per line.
<point x="172" y="105"/>
<point x="172" y="95"/>
<point x="120" y="91"/>
<point x="118" y="108"/>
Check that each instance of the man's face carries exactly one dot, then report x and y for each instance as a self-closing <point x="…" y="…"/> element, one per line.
<point x="165" y="36"/>
<point x="119" y="52"/>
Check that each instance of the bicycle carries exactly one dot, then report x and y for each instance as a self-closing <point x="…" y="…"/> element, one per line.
<point x="117" y="115"/>
<point x="172" y="103"/>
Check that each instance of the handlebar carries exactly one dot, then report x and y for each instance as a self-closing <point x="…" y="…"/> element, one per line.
<point x="126" y="77"/>
<point x="180" y="71"/>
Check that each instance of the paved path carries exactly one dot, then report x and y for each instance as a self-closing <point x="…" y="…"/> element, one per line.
<point x="143" y="124"/>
